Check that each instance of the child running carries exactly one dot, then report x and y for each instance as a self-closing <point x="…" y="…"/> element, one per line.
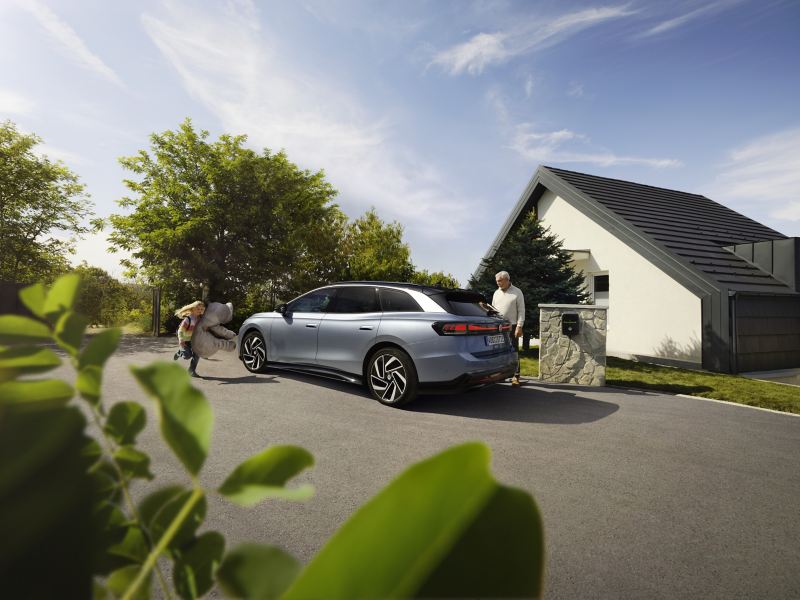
<point x="191" y="314"/>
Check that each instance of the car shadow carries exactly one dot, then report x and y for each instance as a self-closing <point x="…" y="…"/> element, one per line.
<point x="527" y="405"/>
<point x="244" y="379"/>
<point x="495" y="402"/>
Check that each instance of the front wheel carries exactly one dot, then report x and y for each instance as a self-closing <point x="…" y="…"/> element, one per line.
<point x="254" y="352"/>
<point x="391" y="377"/>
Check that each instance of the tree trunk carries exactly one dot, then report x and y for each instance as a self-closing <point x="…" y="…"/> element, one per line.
<point x="526" y="340"/>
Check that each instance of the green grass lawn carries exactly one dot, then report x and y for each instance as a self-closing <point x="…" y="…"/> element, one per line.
<point x="731" y="388"/>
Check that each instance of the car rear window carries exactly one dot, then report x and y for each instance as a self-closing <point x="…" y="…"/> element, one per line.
<point x="398" y="301"/>
<point x="466" y="304"/>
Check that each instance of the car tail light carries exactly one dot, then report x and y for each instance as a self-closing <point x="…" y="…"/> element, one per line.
<point x="458" y="328"/>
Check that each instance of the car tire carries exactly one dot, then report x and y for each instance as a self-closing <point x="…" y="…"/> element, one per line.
<point x="391" y="377"/>
<point x="254" y="352"/>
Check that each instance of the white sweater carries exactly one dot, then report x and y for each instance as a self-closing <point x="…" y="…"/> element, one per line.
<point x="511" y="304"/>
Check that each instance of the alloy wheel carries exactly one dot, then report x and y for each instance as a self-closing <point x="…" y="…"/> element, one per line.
<point x="254" y="353"/>
<point x="388" y="378"/>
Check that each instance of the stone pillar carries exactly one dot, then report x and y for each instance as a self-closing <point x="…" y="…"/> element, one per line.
<point x="580" y="358"/>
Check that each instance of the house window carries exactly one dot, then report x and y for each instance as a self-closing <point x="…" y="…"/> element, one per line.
<point x="600" y="289"/>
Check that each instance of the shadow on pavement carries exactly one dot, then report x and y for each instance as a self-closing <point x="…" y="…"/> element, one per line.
<point x="245" y="379"/>
<point x="527" y="405"/>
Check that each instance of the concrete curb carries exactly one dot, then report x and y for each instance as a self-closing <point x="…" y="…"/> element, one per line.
<point x="777" y="412"/>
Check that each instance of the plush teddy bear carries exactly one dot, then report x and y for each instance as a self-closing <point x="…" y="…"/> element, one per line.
<point x="209" y="334"/>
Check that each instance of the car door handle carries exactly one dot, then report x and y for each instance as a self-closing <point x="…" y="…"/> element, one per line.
<point x="365" y="327"/>
<point x="312" y="325"/>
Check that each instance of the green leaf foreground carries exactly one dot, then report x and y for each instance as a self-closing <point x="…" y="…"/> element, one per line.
<point x="444" y="527"/>
<point x="69" y="331"/>
<point x="99" y="348"/>
<point x="38" y="394"/>
<point x="26" y="360"/>
<point x="34" y="297"/>
<point x="16" y="330"/>
<point x="401" y="541"/>
<point x="196" y="564"/>
<point x="257" y="572"/>
<point x="61" y="296"/>
<point x="125" y="421"/>
<point x="265" y="474"/>
<point x="185" y="414"/>
<point x="188" y="517"/>
<point x="91" y="361"/>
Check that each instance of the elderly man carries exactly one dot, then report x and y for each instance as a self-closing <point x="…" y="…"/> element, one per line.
<point x="510" y="302"/>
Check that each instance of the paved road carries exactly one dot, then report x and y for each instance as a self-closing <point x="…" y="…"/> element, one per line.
<point x="643" y="495"/>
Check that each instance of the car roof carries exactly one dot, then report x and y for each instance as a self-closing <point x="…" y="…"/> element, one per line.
<point x="425" y="289"/>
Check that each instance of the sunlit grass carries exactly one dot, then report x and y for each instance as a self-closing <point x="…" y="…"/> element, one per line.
<point x="731" y="388"/>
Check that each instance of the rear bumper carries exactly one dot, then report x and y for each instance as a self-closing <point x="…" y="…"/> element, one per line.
<point x="468" y="380"/>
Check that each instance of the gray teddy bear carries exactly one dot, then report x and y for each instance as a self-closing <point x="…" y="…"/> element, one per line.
<point x="210" y="336"/>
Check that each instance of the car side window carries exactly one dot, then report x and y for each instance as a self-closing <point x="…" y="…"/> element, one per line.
<point x="355" y="299"/>
<point x="398" y="301"/>
<point x="317" y="301"/>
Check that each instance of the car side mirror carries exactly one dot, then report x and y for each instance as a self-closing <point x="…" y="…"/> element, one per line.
<point x="282" y="308"/>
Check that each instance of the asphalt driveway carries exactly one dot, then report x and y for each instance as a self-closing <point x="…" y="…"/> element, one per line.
<point x="642" y="494"/>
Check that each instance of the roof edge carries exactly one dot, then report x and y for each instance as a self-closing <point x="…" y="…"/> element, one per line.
<point x="695" y="281"/>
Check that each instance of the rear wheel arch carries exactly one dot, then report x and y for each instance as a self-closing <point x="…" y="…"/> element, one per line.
<point x="380" y="346"/>
<point x="390" y="375"/>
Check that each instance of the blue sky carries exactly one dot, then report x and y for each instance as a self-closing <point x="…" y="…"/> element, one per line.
<point x="436" y="113"/>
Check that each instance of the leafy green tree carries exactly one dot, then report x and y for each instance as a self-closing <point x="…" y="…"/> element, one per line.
<point x="437" y="278"/>
<point x="210" y="218"/>
<point x="103" y="299"/>
<point x="538" y="265"/>
<point x="374" y="250"/>
<point x="39" y="199"/>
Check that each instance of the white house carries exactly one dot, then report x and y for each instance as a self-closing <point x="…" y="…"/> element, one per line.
<point x="687" y="280"/>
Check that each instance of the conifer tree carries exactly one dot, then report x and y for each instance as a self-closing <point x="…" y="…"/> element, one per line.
<point x="538" y="265"/>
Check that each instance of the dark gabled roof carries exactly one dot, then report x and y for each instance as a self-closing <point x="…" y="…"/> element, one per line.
<point x="688" y="225"/>
<point x="682" y="233"/>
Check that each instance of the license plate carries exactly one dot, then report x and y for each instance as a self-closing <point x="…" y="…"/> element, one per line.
<point x="495" y="340"/>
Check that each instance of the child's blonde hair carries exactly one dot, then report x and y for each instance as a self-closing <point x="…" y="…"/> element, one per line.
<point x="185" y="311"/>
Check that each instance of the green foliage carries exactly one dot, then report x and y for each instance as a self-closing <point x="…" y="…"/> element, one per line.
<point x="464" y="519"/>
<point x="265" y="475"/>
<point x="538" y="265"/>
<point x="186" y="418"/>
<point x="438" y="278"/>
<point x="453" y="530"/>
<point x="257" y="572"/>
<point x="217" y="216"/>
<point x="375" y="250"/>
<point x="38" y="197"/>
<point x="108" y="302"/>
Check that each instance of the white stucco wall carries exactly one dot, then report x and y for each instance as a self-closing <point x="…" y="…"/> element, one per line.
<point x="650" y="313"/>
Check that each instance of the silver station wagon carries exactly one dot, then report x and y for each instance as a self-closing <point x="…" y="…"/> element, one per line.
<point x="398" y="339"/>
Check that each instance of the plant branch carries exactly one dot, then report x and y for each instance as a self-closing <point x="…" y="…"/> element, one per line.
<point x="148" y="565"/>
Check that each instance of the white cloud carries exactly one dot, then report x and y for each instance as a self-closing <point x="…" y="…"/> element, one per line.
<point x="66" y="36"/>
<point x="487" y="49"/>
<point x="252" y="86"/>
<point x="528" y="86"/>
<point x="575" y="90"/>
<point x="764" y="172"/>
<point x="15" y="104"/>
<point x="565" y="146"/>
<point x="681" y="20"/>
